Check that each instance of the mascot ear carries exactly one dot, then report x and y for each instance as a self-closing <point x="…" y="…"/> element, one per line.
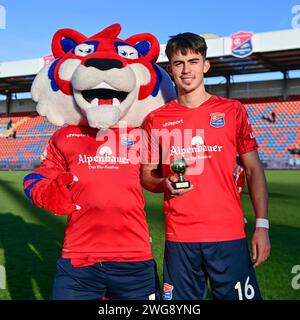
<point x="146" y="44"/>
<point x="110" y="32"/>
<point x="64" y="40"/>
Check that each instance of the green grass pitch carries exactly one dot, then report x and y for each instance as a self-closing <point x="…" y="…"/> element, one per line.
<point x="30" y="238"/>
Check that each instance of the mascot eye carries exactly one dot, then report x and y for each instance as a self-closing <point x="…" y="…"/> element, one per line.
<point x="84" y="49"/>
<point x="123" y="53"/>
<point x="128" y="52"/>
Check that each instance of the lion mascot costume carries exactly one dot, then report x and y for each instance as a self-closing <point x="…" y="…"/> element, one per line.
<point x="99" y="90"/>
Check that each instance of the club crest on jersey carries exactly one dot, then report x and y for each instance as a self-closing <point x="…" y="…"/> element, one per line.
<point x="217" y="119"/>
<point x="168" y="289"/>
<point x="127" y="140"/>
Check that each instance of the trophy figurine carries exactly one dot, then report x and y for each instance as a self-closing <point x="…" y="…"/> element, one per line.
<point x="179" y="167"/>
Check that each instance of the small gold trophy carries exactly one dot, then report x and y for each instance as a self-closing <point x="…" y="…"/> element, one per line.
<point x="179" y="167"/>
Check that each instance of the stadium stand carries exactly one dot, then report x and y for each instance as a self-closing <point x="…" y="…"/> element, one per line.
<point x="274" y="139"/>
<point x="24" y="152"/>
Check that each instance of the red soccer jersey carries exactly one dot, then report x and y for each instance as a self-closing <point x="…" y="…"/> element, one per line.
<point x="111" y="225"/>
<point x="208" y="137"/>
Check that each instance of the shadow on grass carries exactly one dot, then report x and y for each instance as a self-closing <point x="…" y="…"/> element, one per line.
<point x="274" y="275"/>
<point x="30" y="252"/>
<point x="279" y="190"/>
<point x="46" y="218"/>
<point x="285" y="196"/>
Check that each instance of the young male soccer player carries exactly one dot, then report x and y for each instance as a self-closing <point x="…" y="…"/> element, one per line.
<point x="205" y="235"/>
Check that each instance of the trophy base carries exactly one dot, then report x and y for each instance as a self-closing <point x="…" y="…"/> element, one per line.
<point x="181" y="185"/>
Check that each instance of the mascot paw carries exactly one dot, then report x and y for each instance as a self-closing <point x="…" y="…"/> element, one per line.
<point x="103" y="117"/>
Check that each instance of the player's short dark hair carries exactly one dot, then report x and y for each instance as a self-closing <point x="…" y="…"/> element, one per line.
<point x="185" y="42"/>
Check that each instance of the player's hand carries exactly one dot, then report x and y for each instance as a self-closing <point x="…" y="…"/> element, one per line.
<point x="57" y="196"/>
<point x="261" y="246"/>
<point x="168" y="187"/>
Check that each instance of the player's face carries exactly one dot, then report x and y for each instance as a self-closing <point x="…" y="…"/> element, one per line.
<point x="188" y="71"/>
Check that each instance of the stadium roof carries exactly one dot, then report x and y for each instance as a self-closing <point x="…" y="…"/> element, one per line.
<point x="17" y="76"/>
<point x="272" y="51"/>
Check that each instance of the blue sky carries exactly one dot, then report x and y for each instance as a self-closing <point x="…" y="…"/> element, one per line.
<point x="30" y="25"/>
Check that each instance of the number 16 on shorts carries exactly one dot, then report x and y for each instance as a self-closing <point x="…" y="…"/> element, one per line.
<point x="247" y="292"/>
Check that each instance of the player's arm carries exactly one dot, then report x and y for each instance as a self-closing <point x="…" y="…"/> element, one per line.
<point x="257" y="187"/>
<point x="246" y="147"/>
<point x="47" y="187"/>
<point x="152" y="181"/>
<point x="150" y="176"/>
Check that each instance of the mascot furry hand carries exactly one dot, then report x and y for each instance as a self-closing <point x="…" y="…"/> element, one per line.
<point x="94" y="83"/>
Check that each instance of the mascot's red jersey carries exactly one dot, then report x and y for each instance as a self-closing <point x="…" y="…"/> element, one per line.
<point x="111" y="224"/>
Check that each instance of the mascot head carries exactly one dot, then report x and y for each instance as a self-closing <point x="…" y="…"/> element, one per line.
<point x="101" y="81"/>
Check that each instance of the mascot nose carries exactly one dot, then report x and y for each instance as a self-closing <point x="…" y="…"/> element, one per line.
<point x="104" y="64"/>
